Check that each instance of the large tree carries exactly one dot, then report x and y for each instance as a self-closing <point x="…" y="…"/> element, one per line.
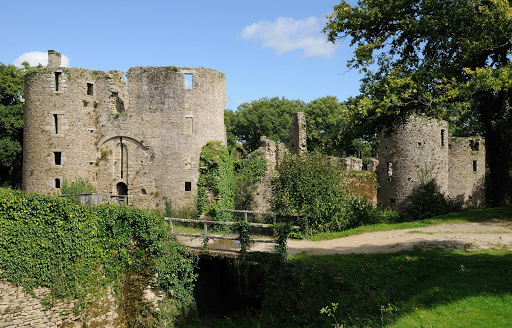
<point x="270" y="117"/>
<point x="449" y="59"/>
<point x="11" y="124"/>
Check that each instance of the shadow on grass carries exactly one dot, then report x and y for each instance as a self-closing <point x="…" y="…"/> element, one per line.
<point x="372" y="290"/>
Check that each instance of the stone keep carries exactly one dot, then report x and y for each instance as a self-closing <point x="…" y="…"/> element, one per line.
<point x="420" y="150"/>
<point x="142" y="138"/>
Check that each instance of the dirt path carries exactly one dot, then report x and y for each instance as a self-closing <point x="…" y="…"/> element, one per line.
<point x="472" y="236"/>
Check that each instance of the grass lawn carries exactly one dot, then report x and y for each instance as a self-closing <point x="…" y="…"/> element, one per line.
<point x="417" y="288"/>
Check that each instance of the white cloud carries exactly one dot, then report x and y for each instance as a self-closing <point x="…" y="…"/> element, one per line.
<point x="37" y="57"/>
<point x="287" y="34"/>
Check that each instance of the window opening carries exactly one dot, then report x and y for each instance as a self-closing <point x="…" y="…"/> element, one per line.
<point x="57" y="183"/>
<point x="475" y="166"/>
<point x="57" y="78"/>
<point x="188" y="81"/>
<point x="188" y="186"/>
<point x="90" y="90"/>
<point x="442" y="138"/>
<point x="390" y="169"/>
<point x="392" y="201"/>
<point x="56" y="121"/>
<point x="57" y="155"/>
<point x="474" y="144"/>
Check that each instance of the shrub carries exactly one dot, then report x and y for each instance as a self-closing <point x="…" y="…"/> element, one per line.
<point x="426" y="202"/>
<point x="76" y="251"/>
<point x="72" y="190"/>
<point x="311" y="186"/>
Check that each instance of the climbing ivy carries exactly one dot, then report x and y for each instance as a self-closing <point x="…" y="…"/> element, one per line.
<point x="243" y="236"/>
<point x="77" y="251"/>
<point x="248" y="172"/>
<point x="282" y="230"/>
<point x="215" y="187"/>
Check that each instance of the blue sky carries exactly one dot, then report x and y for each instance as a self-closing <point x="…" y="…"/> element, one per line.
<point x="265" y="48"/>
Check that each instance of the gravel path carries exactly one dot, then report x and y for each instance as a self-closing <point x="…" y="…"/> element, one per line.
<point x="471" y="236"/>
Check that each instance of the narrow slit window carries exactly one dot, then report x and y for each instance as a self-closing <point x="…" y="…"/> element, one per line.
<point x="90" y="89"/>
<point x="57" y="81"/>
<point x="56" y="121"/>
<point x="57" y="183"/>
<point x="390" y="169"/>
<point x="188" y="81"/>
<point x="188" y="186"/>
<point x="475" y="166"/>
<point x="442" y="138"/>
<point x="57" y="156"/>
<point x="392" y="201"/>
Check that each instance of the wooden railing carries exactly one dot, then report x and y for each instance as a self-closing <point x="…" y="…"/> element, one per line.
<point x="206" y="223"/>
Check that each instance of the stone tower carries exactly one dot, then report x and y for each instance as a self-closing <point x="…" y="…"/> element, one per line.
<point x="420" y="150"/>
<point x="142" y="138"/>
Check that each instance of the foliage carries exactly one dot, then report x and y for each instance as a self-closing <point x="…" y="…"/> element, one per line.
<point x="311" y="185"/>
<point x="11" y="124"/>
<point x="243" y="236"/>
<point x="247" y="173"/>
<point x="426" y="201"/>
<point x="270" y="117"/>
<point x="72" y="190"/>
<point x="216" y="182"/>
<point x="448" y="59"/>
<point x="282" y="230"/>
<point x="77" y="251"/>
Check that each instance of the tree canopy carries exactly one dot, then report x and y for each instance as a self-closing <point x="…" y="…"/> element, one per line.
<point x="449" y="59"/>
<point x="11" y="124"/>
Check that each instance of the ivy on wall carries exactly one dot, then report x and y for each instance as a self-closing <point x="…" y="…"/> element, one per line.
<point x="76" y="251"/>
<point x="215" y="187"/>
<point x="248" y="172"/>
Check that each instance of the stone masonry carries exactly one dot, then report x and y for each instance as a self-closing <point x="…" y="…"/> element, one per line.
<point x="420" y="150"/>
<point x="140" y="138"/>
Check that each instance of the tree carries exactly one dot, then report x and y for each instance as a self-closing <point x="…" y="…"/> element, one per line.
<point x="11" y="124"/>
<point x="270" y="117"/>
<point x="449" y="59"/>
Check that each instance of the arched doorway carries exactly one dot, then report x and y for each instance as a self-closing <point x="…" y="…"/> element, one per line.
<point x="122" y="190"/>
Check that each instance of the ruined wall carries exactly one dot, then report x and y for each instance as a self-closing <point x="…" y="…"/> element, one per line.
<point x="297" y="142"/>
<point x="142" y="138"/>
<point x="467" y="171"/>
<point x="19" y="309"/>
<point x="414" y="151"/>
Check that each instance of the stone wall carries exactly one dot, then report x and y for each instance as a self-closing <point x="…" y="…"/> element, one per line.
<point x="19" y="309"/>
<point x="142" y="138"/>
<point x="421" y="150"/>
<point x="467" y="171"/>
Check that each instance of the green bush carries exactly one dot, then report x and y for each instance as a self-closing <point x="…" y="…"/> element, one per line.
<point x="426" y="202"/>
<point x="72" y="190"/>
<point x="76" y="251"/>
<point x="312" y="187"/>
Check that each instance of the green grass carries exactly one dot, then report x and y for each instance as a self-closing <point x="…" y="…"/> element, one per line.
<point x="416" y="288"/>
<point x="467" y="216"/>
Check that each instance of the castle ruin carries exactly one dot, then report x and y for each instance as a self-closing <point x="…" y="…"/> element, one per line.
<point x="421" y="150"/>
<point x="141" y="138"/>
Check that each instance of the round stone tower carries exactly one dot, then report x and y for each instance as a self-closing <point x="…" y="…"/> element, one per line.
<point x="140" y="139"/>
<point x="416" y="151"/>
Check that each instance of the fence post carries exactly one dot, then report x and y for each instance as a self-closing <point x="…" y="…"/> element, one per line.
<point x="245" y="216"/>
<point x="205" y="227"/>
